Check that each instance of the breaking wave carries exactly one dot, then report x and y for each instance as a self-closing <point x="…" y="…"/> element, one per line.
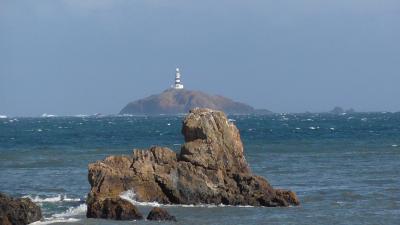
<point x="64" y="217"/>
<point x="130" y="196"/>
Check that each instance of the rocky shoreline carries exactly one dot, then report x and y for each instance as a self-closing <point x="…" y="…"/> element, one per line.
<point x="210" y="169"/>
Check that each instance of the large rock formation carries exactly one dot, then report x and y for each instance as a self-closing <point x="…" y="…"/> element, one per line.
<point x="174" y="101"/>
<point x="210" y="169"/>
<point x="18" y="211"/>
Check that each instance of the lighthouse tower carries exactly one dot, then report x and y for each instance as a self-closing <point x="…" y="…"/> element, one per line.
<point x="178" y="85"/>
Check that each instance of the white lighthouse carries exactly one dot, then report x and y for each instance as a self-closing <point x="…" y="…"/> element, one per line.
<point x="178" y="84"/>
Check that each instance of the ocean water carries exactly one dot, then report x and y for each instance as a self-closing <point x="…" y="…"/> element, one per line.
<point x="344" y="168"/>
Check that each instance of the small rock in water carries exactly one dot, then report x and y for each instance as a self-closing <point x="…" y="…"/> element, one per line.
<point x="159" y="214"/>
<point x="113" y="208"/>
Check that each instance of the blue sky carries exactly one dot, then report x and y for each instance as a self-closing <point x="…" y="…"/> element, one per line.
<point x="70" y="57"/>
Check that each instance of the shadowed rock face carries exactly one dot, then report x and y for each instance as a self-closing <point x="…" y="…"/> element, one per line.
<point x="210" y="169"/>
<point x="18" y="211"/>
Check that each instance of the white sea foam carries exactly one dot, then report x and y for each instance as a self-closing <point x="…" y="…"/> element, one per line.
<point x="130" y="196"/>
<point x="45" y="115"/>
<point x="394" y="145"/>
<point x="72" y="211"/>
<point x="3" y="117"/>
<point x="58" y="198"/>
<point x="65" y="217"/>
<point x="51" y="221"/>
<point x="81" y="116"/>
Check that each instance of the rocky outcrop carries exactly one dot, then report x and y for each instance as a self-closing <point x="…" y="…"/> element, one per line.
<point x="15" y="211"/>
<point x="210" y="169"/>
<point x="159" y="214"/>
<point x="113" y="208"/>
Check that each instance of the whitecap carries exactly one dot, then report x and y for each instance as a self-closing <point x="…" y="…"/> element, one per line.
<point x="72" y="211"/>
<point x="168" y="124"/>
<point x="3" y="117"/>
<point x="39" y="130"/>
<point x="64" y="217"/>
<point x="51" y="221"/>
<point x="394" y="145"/>
<point x="45" y="115"/>
<point x="58" y="198"/>
<point x="364" y="119"/>
<point x="81" y="115"/>
<point x="130" y="196"/>
<point x="312" y="128"/>
<point x="332" y="128"/>
<point x="298" y="128"/>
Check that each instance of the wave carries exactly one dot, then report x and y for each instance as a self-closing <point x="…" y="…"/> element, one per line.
<point x="81" y="115"/>
<point x="64" y="217"/>
<point x="58" y="198"/>
<point x="130" y="196"/>
<point x="72" y="211"/>
<point x="45" y="115"/>
<point x="3" y="117"/>
<point x="45" y="222"/>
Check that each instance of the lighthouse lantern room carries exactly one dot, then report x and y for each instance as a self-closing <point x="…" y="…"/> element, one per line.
<point x="178" y="84"/>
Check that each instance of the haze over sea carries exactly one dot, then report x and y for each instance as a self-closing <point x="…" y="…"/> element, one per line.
<point x="344" y="168"/>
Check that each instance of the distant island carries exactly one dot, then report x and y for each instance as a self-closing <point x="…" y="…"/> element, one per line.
<point x="177" y="100"/>
<point x="339" y="110"/>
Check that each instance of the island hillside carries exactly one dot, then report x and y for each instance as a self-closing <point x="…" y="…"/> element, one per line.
<point x="179" y="101"/>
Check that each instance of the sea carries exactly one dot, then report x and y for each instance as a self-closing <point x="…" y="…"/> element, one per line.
<point x="344" y="168"/>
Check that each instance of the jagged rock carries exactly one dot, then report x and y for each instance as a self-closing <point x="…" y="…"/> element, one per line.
<point x="210" y="169"/>
<point x="20" y="211"/>
<point x="159" y="214"/>
<point x="113" y="208"/>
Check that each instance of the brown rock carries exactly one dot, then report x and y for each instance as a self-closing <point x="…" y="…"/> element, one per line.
<point x="15" y="211"/>
<point x="210" y="169"/>
<point x="113" y="208"/>
<point x="159" y="214"/>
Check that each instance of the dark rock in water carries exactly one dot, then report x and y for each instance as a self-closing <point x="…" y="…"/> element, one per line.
<point x="337" y="110"/>
<point x="174" y="101"/>
<point x="20" y="211"/>
<point x="113" y="208"/>
<point x="210" y="169"/>
<point x="159" y="214"/>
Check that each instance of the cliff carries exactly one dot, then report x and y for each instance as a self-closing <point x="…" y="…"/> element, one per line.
<point x="173" y="101"/>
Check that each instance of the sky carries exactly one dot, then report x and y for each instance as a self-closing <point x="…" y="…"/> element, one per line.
<point x="68" y="57"/>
